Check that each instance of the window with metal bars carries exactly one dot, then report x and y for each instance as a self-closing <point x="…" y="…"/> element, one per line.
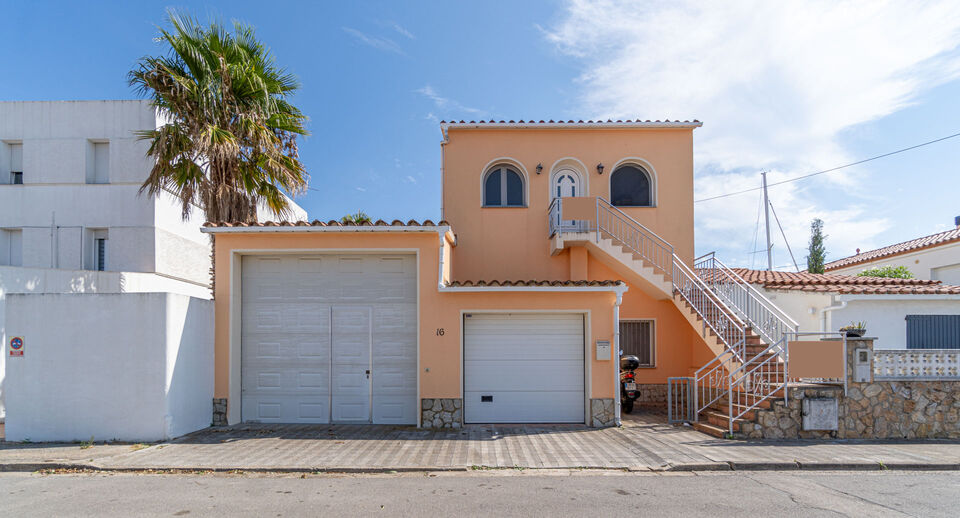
<point x="637" y="338"/>
<point x="101" y="254"/>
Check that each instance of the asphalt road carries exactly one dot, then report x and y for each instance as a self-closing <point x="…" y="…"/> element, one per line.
<point x="498" y="493"/>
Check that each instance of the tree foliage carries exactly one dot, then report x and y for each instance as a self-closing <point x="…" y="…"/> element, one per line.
<point x="228" y="142"/>
<point x="817" y="254"/>
<point x="359" y="217"/>
<point x="890" y="272"/>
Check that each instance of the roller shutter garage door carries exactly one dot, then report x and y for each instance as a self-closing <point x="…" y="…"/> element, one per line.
<point x="329" y="338"/>
<point x="523" y="368"/>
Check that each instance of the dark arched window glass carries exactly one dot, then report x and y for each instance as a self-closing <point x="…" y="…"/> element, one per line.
<point x="630" y="187"/>
<point x="503" y="187"/>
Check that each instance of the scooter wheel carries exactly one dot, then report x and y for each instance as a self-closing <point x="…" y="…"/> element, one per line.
<point x="627" y="406"/>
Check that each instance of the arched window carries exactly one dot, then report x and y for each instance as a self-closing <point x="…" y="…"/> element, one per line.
<point x="503" y="187"/>
<point x="630" y="187"/>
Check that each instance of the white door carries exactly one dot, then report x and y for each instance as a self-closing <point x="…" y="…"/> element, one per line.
<point x="523" y="368"/>
<point x="312" y="326"/>
<point x="566" y="183"/>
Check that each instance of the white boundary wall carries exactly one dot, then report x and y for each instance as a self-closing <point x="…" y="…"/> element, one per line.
<point x="15" y="279"/>
<point x="125" y="366"/>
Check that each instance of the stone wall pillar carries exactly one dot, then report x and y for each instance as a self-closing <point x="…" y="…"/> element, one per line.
<point x="602" y="413"/>
<point x="219" y="411"/>
<point x="441" y="412"/>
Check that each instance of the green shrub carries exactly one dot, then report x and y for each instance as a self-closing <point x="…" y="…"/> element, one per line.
<point x="890" y="272"/>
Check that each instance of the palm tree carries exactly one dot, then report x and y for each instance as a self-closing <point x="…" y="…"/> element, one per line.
<point x="229" y="138"/>
<point x="356" y="219"/>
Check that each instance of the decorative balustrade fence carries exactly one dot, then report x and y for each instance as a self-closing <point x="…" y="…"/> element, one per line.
<point x="916" y="364"/>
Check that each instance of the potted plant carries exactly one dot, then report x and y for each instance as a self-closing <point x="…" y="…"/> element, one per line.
<point x="854" y="330"/>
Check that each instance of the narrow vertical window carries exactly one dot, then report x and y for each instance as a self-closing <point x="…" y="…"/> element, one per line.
<point x="11" y="247"/>
<point x="101" y="252"/>
<point x="101" y="162"/>
<point x="16" y="163"/>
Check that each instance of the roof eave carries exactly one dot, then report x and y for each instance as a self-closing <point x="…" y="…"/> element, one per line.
<point x="443" y="229"/>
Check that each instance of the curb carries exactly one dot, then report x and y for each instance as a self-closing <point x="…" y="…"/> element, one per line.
<point x="30" y="467"/>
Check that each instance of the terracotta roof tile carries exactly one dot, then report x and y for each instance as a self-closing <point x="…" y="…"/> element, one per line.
<point x="331" y="223"/>
<point x="843" y="284"/>
<point x="948" y="236"/>
<point x="560" y="121"/>
<point x="531" y="282"/>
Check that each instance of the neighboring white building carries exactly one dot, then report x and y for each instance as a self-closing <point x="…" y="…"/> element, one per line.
<point x="900" y="313"/>
<point x="72" y="218"/>
<point x="935" y="257"/>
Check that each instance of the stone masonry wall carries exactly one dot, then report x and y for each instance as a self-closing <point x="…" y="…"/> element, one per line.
<point x="219" y="412"/>
<point x="441" y="412"/>
<point x="871" y="410"/>
<point x="602" y="413"/>
<point x="652" y="395"/>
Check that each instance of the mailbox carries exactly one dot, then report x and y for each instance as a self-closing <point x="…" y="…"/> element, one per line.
<point x="862" y="365"/>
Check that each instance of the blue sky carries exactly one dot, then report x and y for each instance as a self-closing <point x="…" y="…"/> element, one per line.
<point x="789" y="89"/>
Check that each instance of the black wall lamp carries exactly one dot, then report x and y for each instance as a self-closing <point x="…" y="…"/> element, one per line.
<point x="539" y="168"/>
<point x="600" y="168"/>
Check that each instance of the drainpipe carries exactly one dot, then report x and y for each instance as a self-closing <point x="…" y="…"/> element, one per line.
<point x="616" y="356"/>
<point x="824" y="311"/>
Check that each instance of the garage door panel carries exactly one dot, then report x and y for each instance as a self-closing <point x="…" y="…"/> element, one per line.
<point x="524" y="407"/>
<point x="287" y="353"/>
<point x="285" y="408"/>
<point x="567" y="350"/>
<point x="395" y="409"/>
<point x="523" y="368"/>
<point x="519" y="375"/>
<point x="394" y="379"/>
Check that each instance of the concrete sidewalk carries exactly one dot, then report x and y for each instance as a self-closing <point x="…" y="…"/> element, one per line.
<point x="645" y="442"/>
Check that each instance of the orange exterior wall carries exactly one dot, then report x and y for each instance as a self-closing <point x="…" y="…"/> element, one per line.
<point x="511" y="243"/>
<point x="440" y="354"/>
<point x="680" y="349"/>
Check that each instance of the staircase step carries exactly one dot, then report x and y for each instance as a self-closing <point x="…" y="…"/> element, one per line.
<point x="710" y="429"/>
<point x="718" y="418"/>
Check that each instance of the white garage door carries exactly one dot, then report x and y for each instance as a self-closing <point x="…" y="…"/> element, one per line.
<point x="329" y="338"/>
<point x="523" y="368"/>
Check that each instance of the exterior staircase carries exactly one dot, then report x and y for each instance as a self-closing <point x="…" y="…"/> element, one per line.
<point x="744" y="329"/>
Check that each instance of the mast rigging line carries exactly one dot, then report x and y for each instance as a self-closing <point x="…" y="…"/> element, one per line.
<point x="844" y="166"/>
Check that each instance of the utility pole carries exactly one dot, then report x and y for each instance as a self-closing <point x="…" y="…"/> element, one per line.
<point x="766" y="215"/>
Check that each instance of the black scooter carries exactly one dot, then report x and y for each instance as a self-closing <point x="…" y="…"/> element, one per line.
<point x="628" y="382"/>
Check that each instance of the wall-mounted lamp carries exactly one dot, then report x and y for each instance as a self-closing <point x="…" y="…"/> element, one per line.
<point x="600" y="168"/>
<point x="539" y="168"/>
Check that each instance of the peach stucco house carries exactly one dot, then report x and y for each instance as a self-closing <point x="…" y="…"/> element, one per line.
<point x="560" y="243"/>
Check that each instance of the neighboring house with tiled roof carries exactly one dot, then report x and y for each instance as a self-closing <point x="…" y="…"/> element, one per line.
<point x="901" y="313"/>
<point x="935" y="257"/>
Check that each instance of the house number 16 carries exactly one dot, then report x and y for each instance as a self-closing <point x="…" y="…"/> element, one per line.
<point x="440" y="331"/>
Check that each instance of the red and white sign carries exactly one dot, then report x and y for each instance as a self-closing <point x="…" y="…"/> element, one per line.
<point x="16" y="346"/>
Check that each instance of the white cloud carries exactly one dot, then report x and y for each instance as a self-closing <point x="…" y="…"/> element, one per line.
<point x="775" y="83"/>
<point x="402" y="31"/>
<point x="409" y="179"/>
<point x="361" y="189"/>
<point x="445" y="104"/>
<point x="377" y="42"/>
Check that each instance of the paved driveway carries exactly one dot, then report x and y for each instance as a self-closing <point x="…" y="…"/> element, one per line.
<point x="645" y="441"/>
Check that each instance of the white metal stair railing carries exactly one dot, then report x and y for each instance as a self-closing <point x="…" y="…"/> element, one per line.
<point x="714" y="315"/>
<point x="712" y="381"/>
<point x="614" y="224"/>
<point x="631" y="234"/>
<point x="758" y="379"/>
<point x="762" y="315"/>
